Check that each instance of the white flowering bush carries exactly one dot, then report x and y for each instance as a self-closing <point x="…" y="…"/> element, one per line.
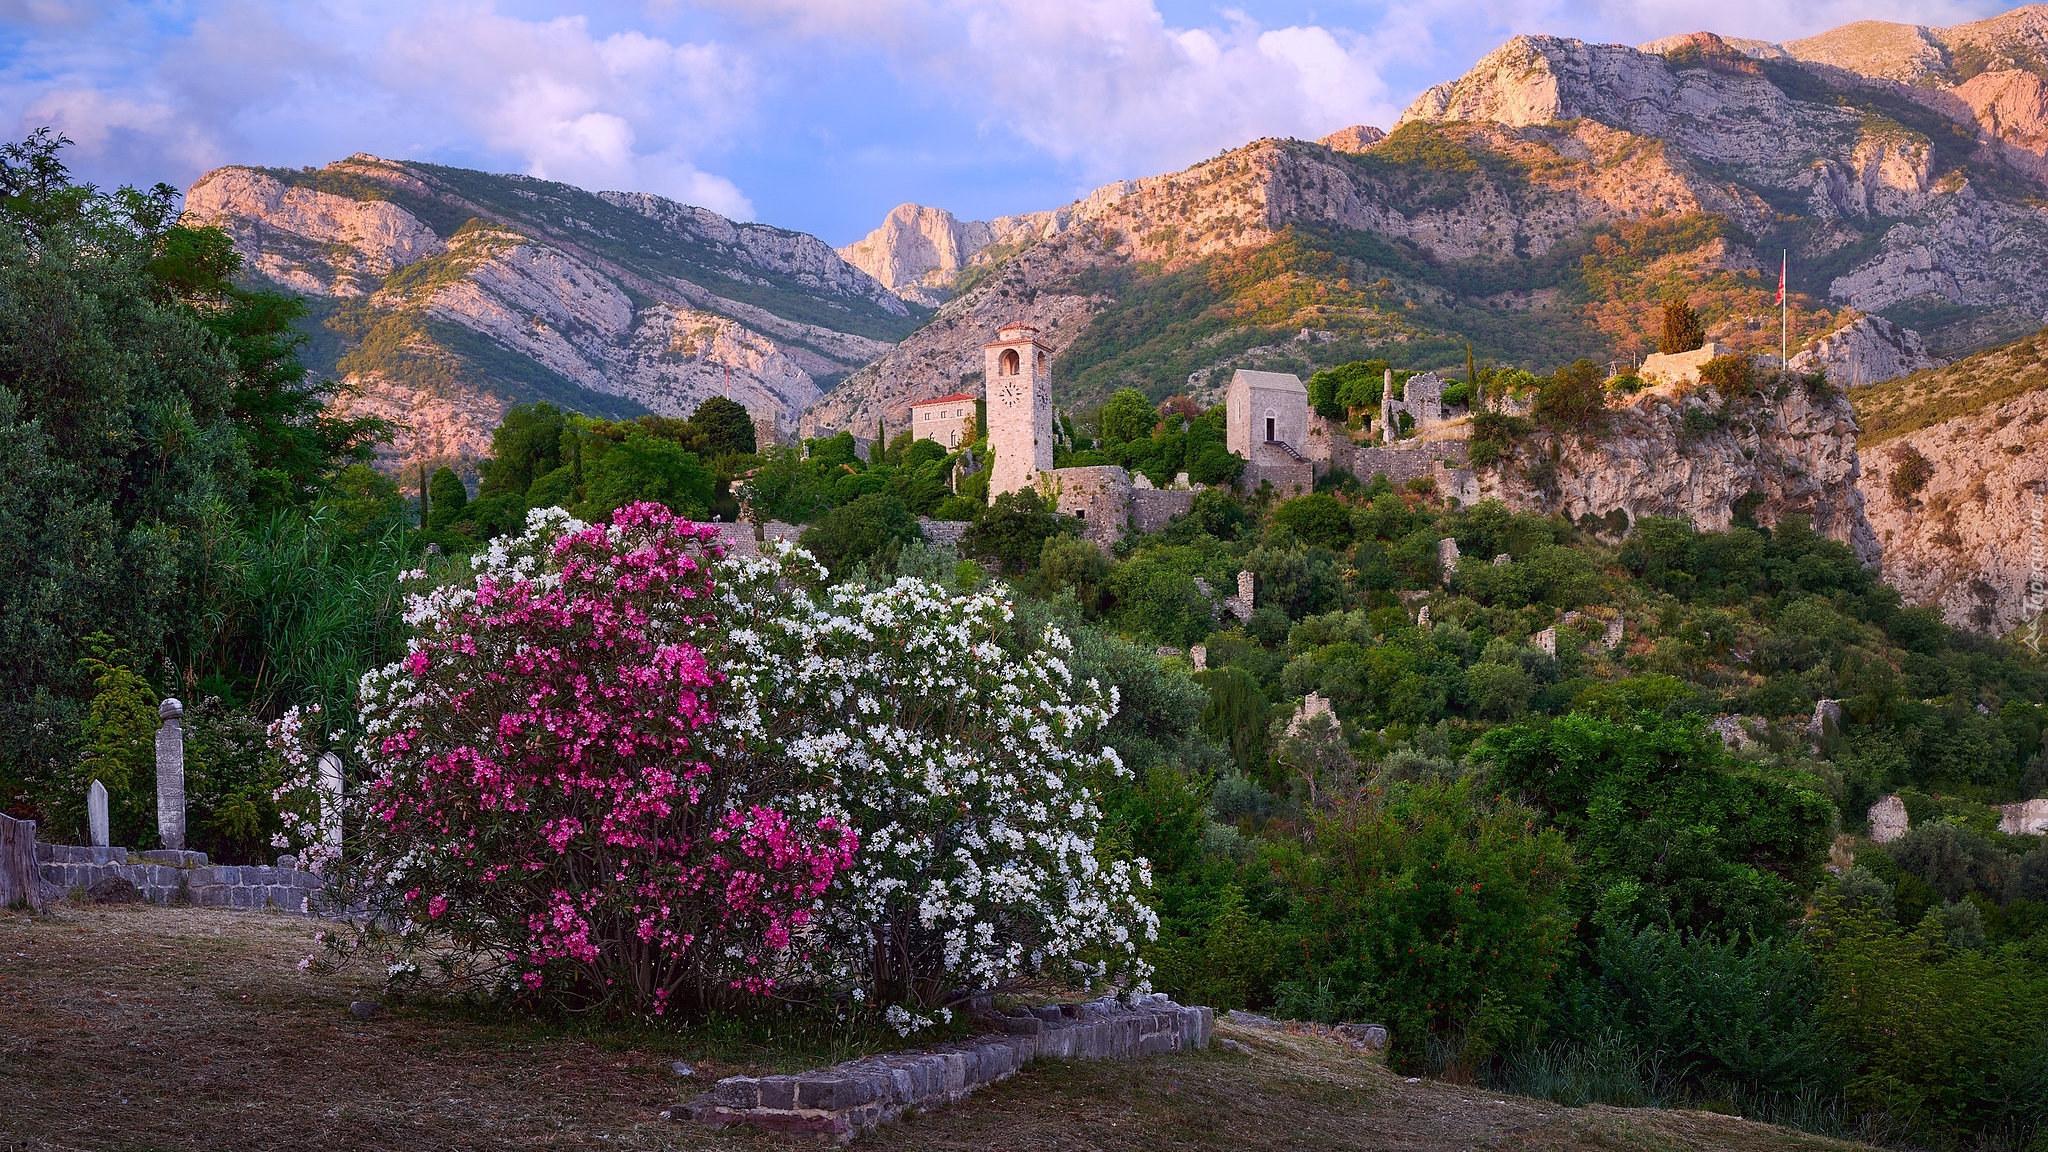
<point x="303" y="809"/>
<point x="969" y="768"/>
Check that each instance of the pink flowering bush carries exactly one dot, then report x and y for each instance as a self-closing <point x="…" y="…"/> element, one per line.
<point x="541" y="812"/>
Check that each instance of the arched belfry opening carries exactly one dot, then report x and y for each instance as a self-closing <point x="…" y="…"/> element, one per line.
<point x="1010" y="364"/>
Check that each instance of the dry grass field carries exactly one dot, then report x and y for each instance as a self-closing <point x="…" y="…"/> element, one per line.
<point x="140" y="1029"/>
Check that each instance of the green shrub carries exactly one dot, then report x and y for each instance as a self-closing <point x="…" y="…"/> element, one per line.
<point x="1910" y="472"/>
<point x="1442" y="910"/>
<point x="1319" y="519"/>
<point x="871" y="529"/>
<point x="1943" y="1042"/>
<point x="1734" y="375"/>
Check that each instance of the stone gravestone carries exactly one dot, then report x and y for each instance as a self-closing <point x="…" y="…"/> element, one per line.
<point x="330" y="787"/>
<point x="170" y="775"/>
<point x="96" y="815"/>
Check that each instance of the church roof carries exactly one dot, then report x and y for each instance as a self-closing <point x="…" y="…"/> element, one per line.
<point x="1286" y="381"/>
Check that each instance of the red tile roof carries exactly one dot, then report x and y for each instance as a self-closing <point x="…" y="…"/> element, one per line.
<point x="957" y="396"/>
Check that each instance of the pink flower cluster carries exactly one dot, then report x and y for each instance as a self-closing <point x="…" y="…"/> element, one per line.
<point x="543" y="794"/>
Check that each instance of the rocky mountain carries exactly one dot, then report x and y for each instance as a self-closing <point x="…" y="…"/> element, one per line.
<point x="920" y="253"/>
<point x="1955" y="483"/>
<point x="441" y="296"/>
<point x="1541" y="207"/>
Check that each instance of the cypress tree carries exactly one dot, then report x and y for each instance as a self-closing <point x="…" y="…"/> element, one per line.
<point x="1682" y="329"/>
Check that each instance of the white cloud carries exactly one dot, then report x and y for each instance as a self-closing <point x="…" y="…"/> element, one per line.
<point x="621" y="111"/>
<point x="272" y="83"/>
<point x="1106" y="85"/>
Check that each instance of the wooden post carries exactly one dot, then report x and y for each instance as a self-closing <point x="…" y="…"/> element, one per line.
<point x="21" y="881"/>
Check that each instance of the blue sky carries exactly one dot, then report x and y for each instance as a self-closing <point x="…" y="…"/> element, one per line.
<point x="818" y="115"/>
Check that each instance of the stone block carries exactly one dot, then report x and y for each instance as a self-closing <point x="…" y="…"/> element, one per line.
<point x="737" y="1092"/>
<point x="831" y="1092"/>
<point x="777" y="1092"/>
<point x="1023" y="1025"/>
<point x="1208" y="1026"/>
<point x="1056" y="1043"/>
<point x="1024" y="1049"/>
<point x="903" y="1080"/>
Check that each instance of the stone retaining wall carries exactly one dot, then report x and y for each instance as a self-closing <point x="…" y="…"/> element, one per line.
<point x="846" y="1099"/>
<point x="165" y="876"/>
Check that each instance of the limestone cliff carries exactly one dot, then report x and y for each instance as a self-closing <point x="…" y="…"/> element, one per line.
<point x="450" y="295"/>
<point x="1868" y="349"/>
<point x="1789" y="454"/>
<point x="1954" y="482"/>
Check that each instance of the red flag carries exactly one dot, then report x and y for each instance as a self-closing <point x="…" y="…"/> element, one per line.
<point x="1782" y="263"/>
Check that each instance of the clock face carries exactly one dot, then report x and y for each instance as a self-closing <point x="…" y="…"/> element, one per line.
<point x="1010" y="394"/>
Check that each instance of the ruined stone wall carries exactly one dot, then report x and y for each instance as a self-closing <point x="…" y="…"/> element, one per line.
<point x="1152" y="508"/>
<point x="1100" y="497"/>
<point x="846" y="1099"/>
<point x="165" y="877"/>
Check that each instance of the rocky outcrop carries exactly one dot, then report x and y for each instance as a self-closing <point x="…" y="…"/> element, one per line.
<point x="1793" y="455"/>
<point x="307" y="240"/>
<point x="1357" y="138"/>
<point x="1864" y="351"/>
<point x="920" y="252"/>
<point x="521" y="289"/>
<point x="449" y="426"/>
<point x="1958" y="510"/>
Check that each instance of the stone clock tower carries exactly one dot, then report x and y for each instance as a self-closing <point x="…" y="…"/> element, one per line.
<point x="1018" y="379"/>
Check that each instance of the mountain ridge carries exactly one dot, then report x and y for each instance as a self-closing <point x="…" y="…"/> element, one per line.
<point x="441" y="296"/>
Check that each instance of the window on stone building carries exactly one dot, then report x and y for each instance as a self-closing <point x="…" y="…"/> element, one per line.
<point x="1269" y="429"/>
<point x="1009" y="363"/>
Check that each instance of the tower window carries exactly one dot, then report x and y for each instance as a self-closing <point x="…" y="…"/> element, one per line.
<point x="1009" y="362"/>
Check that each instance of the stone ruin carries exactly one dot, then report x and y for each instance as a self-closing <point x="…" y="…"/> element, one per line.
<point x="1109" y="501"/>
<point x="172" y="874"/>
<point x="1422" y="401"/>
<point x="2026" y="818"/>
<point x="844" y="1100"/>
<point x="1312" y="706"/>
